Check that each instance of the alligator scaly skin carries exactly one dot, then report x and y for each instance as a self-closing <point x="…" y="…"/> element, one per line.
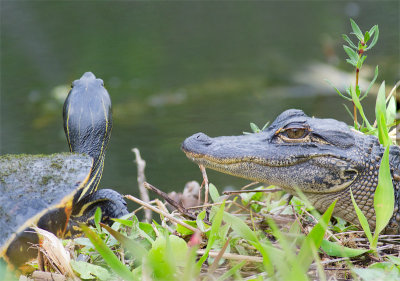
<point x="323" y="158"/>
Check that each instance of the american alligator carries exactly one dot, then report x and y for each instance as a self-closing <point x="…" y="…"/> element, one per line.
<point x="324" y="158"/>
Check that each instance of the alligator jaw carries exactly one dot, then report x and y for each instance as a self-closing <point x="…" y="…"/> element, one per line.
<point x="252" y="157"/>
<point x="321" y="157"/>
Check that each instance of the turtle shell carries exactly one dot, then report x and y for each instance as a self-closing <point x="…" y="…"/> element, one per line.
<point x="37" y="190"/>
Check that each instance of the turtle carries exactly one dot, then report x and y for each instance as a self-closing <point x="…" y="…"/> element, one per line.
<point x="57" y="192"/>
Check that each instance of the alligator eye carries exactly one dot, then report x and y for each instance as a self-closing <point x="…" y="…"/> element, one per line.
<point x="296" y="133"/>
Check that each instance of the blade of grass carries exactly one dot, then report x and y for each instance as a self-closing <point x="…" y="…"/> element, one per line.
<point x="231" y="271"/>
<point x="337" y="90"/>
<point x="135" y="248"/>
<point x="337" y="250"/>
<point x="213" y="233"/>
<point x="357" y="103"/>
<point x="361" y="218"/>
<point x="371" y="84"/>
<point x="315" y="237"/>
<point x="266" y="250"/>
<point x="115" y="264"/>
<point x="384" y="197"/>
<point x="380" y="113"/>
<point x="291" y="269"/>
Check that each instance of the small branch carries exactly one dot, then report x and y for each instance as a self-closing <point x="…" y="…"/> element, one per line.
<point x="230" y="256"/>
<point x="250" y="184"/>
<point x="252" y="190"/>
<point x="393" y="91"/>
<point x="215" y="263"/>
<point x="158" y="211"/>
<point x="176" y="205"/>
<point x="141" y="178"/>
<point x="205" y="181"/>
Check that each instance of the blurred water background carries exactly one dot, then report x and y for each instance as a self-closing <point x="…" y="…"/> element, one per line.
<point x="177" y="68"/>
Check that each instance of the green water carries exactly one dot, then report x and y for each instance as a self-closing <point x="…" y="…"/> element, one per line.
<point x="176" y="68"/>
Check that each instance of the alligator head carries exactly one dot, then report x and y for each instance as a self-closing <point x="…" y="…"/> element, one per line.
<point x="323" y="158"/>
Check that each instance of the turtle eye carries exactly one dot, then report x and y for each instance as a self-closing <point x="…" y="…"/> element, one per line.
<point x="295" y="133"/>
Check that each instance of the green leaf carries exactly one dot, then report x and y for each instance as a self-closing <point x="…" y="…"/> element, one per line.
<point x="296" y="272"/>
<point x="314" y="238"/>
<point x="214" y="193"/>
<point x="167" y="253"/>
<point x="372" y="30"/>
<point x="356" y="30"/>
<point x="375" y="33"/>
<point x="128" y="223"/>
<point x="337" y="91"/>
<point x="254" y="128"/>
<point x="353" y="63"/>
<point x="177" y="245"/>
<point x="135" y="248"/>
<point x="384" y="195"/>
<point x="362" y="219"/>
<point x="183" y="230"/>
<point x="337" y="250"/>
<point x="189" y="269"/>
<point x="200" y="221"/>
<point x="351" y="53"/>
<point x="231" y="271"/>
<point x="380" y="112"/>
<point x="97" y="218"/>
<point x="361" y="61"/>
<point x="265" y="126"/>
<point x="373" y="274"/>
<point x="266" y="250"/>
<point x="217" y="220"/>
<point x="240" y="228"/>
<point x="90" y="271"/>
<point x="366" y="37"/>
<point x="348" y="111"/>
<point x="383" y="134"/>
<point x="357" y="103"/>
<point x="371" y="84"/>
<point x="391" y="111"/>
<point x="395" y="260"/>
<point x="115" y="264"/>
<point x="347" y="39"/>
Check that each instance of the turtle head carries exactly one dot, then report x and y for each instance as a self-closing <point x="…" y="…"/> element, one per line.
<point x="87" y="118"/>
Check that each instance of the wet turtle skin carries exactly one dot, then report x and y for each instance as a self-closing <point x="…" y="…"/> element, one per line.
<point x="37" y="190"/>
<point x="57" y="192"/>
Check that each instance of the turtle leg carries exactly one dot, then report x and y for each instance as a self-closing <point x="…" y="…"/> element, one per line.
<point x="111" y="203"/>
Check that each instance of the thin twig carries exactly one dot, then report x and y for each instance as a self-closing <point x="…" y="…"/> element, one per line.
<point x="250" y="184"/>
<point x="154" y="209"/>
<point x="215" y="263"/>
<point x="330" y="261"/>
<point x="176" y="205"/>
<point x="230" y="256"/>
<point x="393" y="90"/>
<point x="205" y="181"/>
<point x="141" y="178"/>
<point x="252" y="190"/>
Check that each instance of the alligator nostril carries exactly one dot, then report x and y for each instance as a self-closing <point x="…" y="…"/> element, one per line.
<point x="203" y="138"/>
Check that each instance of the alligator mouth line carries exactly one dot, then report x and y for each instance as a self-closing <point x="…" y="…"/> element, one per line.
<point x="226" y="166"/>
<point x="198" y="157"/>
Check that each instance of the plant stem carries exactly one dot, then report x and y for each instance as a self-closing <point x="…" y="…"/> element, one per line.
<point x="354" y="106"/>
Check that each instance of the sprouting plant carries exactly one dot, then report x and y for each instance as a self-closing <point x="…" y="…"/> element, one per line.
<point x="385" y="110"/>
<point x="356" y="53"/>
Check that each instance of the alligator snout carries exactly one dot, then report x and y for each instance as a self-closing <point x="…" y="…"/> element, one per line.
<point x="196" y="142"/>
